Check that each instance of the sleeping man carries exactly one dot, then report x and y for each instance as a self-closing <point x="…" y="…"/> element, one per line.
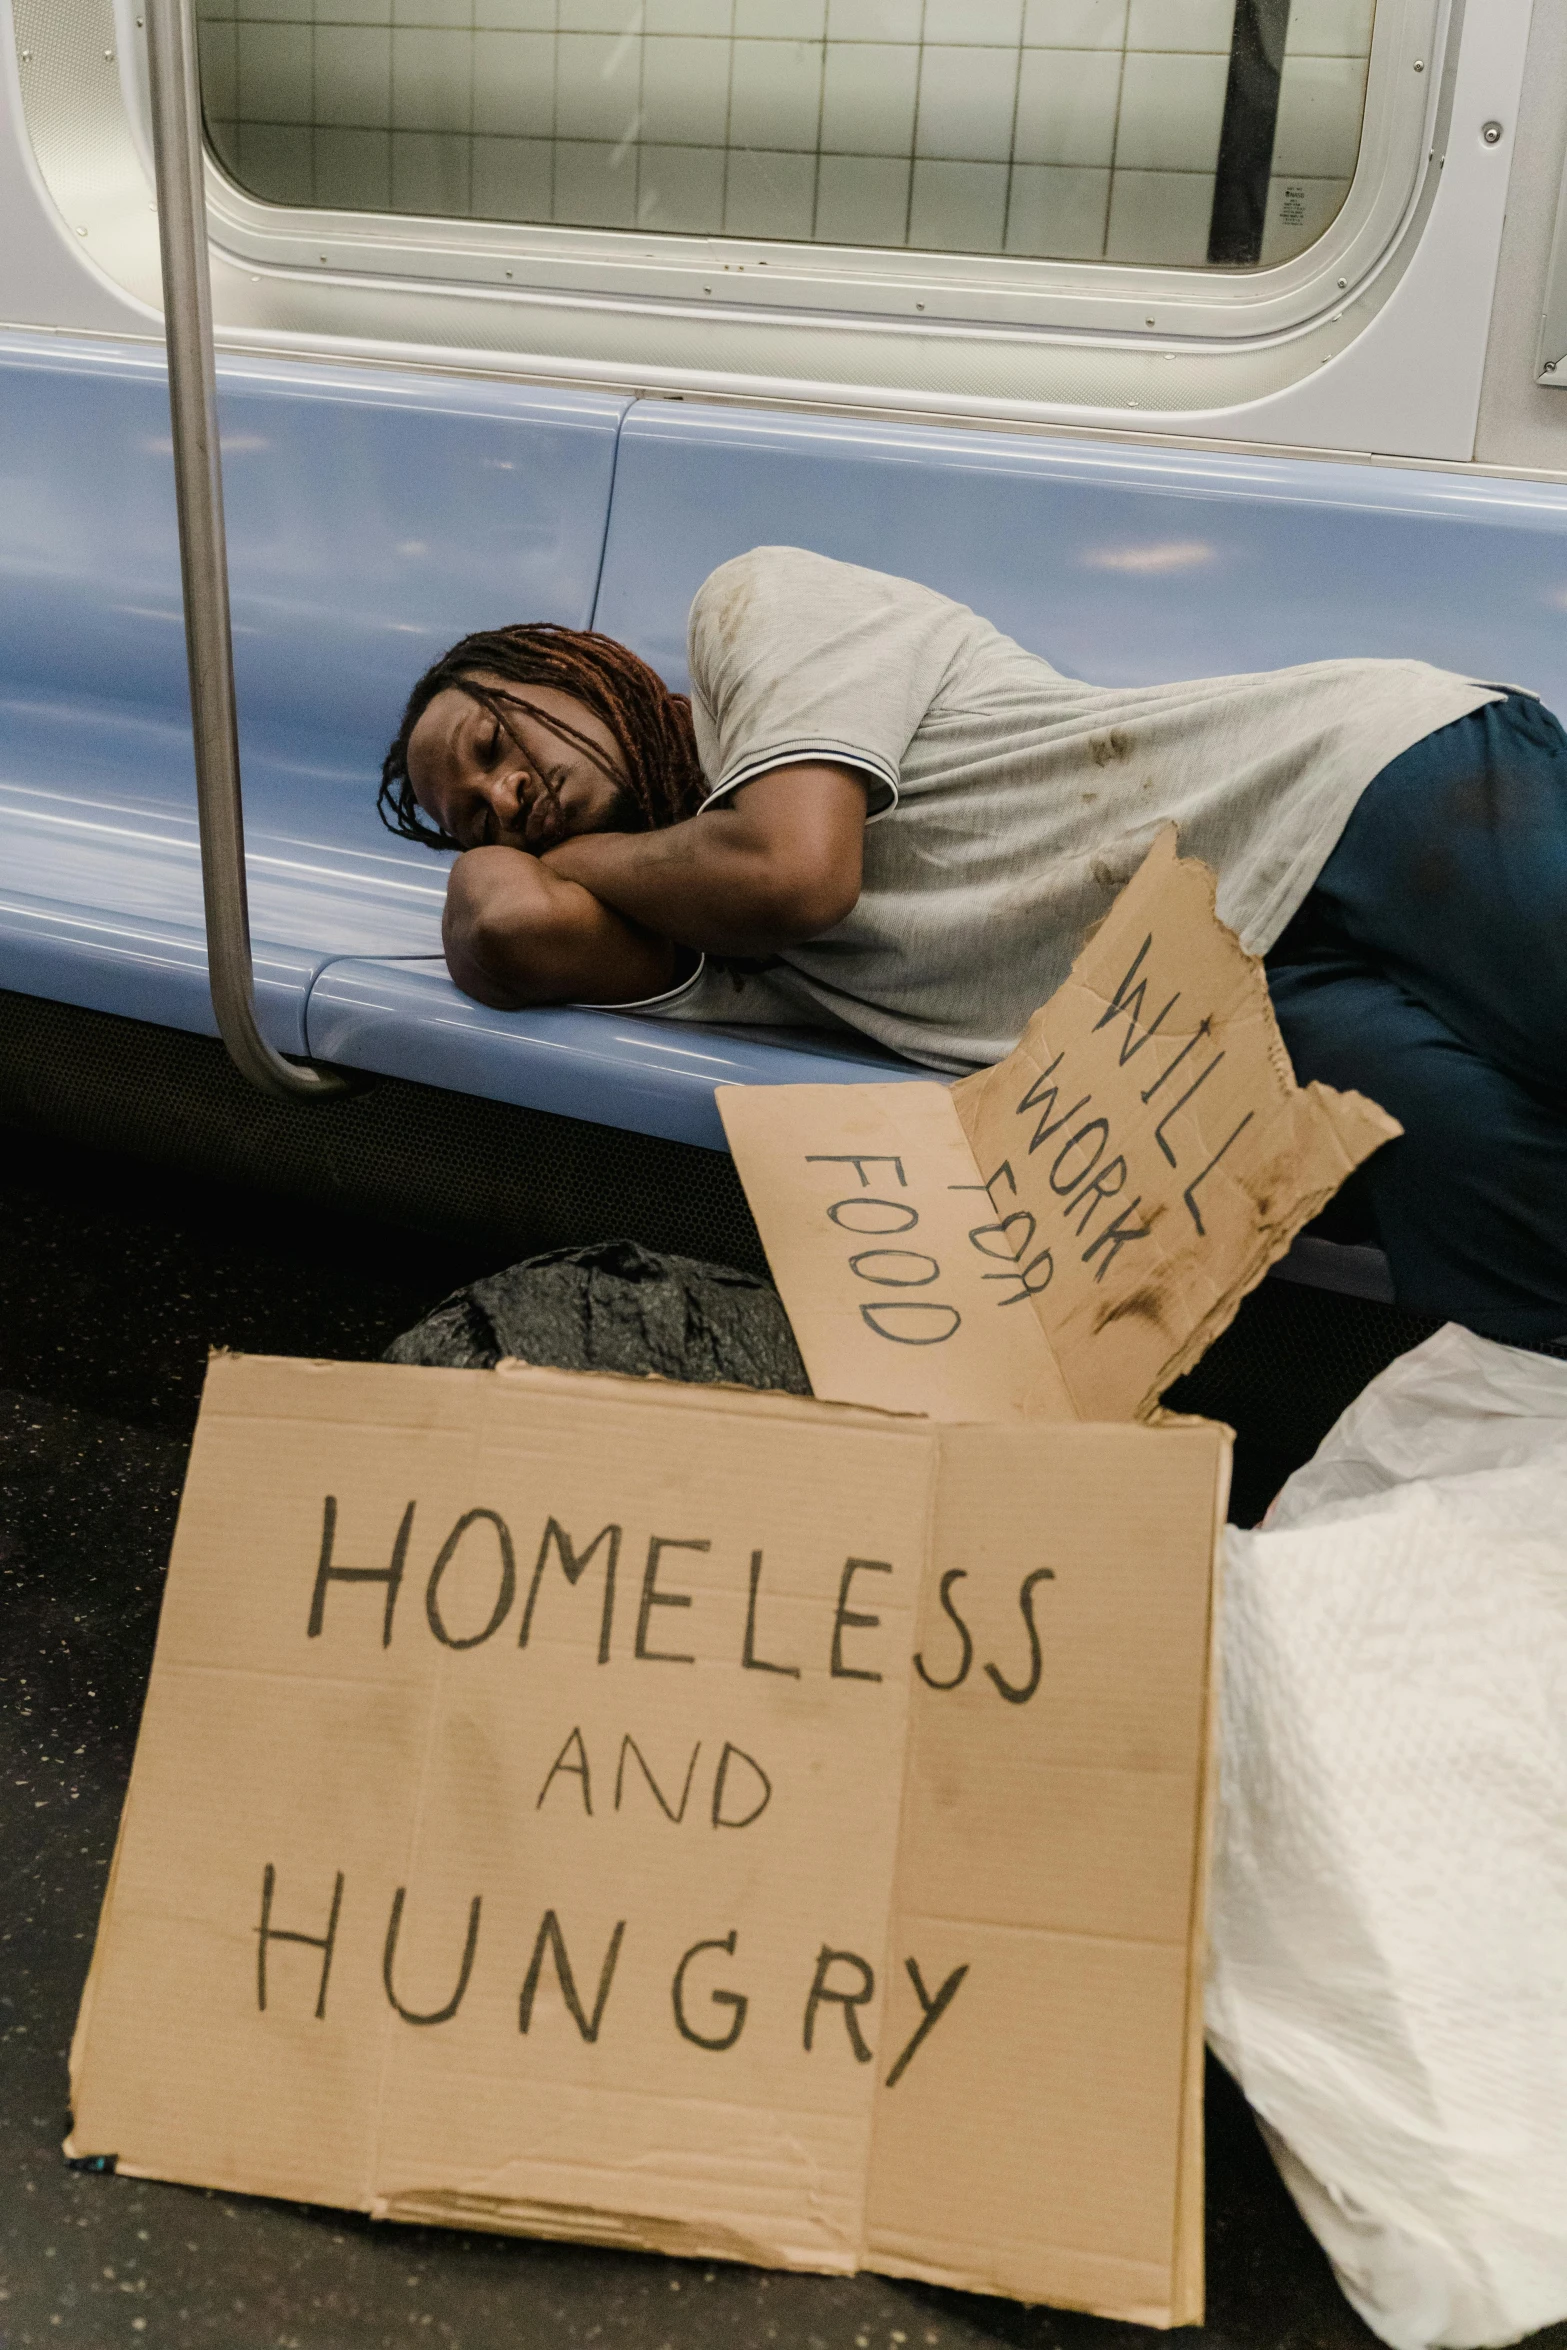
<point x="876" y="813"/>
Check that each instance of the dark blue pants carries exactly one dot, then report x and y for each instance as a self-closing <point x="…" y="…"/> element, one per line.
<point x="1428" y="969"/>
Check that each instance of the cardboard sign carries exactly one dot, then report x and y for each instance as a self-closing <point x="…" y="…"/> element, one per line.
<point x="1061" y="1236"/>
<point x="676" y="1817"/>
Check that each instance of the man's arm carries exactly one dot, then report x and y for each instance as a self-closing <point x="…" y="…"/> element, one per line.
<point x="516" y="934"/>
<point x="601" y="918"/>
<point x="778" y="862"/>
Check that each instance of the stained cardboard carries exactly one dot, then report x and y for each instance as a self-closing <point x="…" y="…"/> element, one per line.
<point x="983" y="1748"/>
<point x="1060" y="1236"/>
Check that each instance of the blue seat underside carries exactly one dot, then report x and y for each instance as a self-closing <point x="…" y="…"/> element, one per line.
<point x="374" y="516"/>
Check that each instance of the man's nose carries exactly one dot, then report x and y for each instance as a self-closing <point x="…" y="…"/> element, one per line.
<point x="505" y="796"/>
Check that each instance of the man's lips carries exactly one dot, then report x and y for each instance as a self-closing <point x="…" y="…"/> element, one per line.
<point x="545" y="824"/>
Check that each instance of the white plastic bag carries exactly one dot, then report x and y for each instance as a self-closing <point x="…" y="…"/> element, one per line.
<point x="1388" y="1979"/>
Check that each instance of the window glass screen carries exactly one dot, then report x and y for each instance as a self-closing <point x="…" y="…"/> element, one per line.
<point x="1218" y="132"/>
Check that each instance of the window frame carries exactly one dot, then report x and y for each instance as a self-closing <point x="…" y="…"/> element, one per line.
<point x="892" y="289"/>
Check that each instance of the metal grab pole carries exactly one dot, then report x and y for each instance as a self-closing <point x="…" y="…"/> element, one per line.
<point x="198" y="485"/>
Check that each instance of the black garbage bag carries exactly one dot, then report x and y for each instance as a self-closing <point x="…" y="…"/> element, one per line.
<point x="615" y="1307"/>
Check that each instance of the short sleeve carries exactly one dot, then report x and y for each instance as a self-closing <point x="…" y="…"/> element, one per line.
<point x="795" y="657"/>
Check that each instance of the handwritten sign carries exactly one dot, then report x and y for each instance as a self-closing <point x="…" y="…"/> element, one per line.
<point x="1060" y="1236"/>
<point x="682" y="1818"/>
<point x="896" y="1269"/>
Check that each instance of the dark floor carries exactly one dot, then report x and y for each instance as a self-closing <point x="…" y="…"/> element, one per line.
<point x="113" y="1284"/>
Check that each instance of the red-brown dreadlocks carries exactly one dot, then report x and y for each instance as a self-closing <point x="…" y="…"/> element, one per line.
<point x="660" y="777"/>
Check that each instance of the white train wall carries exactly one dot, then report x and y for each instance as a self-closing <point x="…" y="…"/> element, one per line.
<point x="1411" y="331"/>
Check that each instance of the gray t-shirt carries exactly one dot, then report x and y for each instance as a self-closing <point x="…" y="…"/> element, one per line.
<point x="1008" y="803"/>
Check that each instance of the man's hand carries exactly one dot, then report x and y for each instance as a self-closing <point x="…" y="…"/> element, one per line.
<point x="515" y="933"/>
<point x="775" y="864"/>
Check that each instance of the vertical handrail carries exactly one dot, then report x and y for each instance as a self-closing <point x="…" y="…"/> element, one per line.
<point x="198" y="487"/>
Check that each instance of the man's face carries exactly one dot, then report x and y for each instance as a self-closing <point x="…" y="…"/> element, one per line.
<point x="521" y="784"/>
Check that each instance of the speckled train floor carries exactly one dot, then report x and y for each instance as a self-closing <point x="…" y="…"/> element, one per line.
<point x="114" y="1282"/>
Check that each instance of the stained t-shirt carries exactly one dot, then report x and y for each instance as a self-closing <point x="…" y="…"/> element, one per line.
<point x="1007" y="802"/>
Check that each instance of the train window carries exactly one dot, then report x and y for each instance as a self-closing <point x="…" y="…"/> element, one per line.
<point x="1216" y="134"/>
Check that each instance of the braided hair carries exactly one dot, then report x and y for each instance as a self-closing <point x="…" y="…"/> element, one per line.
<point x="660" y="776"/>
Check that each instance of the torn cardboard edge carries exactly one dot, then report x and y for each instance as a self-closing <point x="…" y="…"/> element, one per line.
<point x="1060" y="1236"/>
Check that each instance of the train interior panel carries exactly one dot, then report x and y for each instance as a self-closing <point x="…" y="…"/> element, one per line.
<point x="1166" y="363"/>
